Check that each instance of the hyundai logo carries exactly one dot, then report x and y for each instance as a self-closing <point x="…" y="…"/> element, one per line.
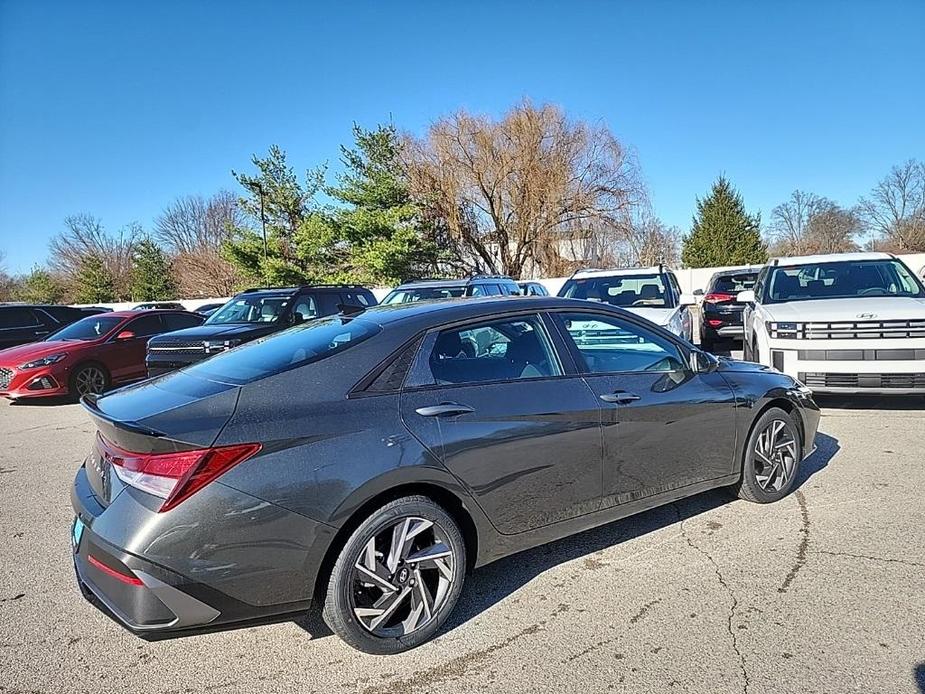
<point x="867" y="315"/>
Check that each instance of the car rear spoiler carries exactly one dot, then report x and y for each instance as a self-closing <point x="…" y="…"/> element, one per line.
<point x="89" y="402"/>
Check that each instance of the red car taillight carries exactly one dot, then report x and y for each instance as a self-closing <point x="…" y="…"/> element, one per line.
<point x="718" y="297"/>
<point x="174" y="476"/>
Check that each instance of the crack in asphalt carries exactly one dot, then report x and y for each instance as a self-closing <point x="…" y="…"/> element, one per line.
<point x="470" y="663"/>
<point x="730" y="617"/>
<point x="804" y="543"/>
<point x="870" y="557"/>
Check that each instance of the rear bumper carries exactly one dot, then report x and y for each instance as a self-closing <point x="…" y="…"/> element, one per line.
<point x="189" y="580"/>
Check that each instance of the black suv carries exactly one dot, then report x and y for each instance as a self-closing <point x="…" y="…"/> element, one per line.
<point x="429" y="289"/>
<point x="24" y="323"/>
<point x="722" y="311"/>
<point x="251" y="314"/>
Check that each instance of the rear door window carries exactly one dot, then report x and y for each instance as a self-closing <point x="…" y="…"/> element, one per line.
<point x="146" y="325"/>
<point x="15" y="317"/>
<point x="500" y="350"/>
<point x="179" y="321"/>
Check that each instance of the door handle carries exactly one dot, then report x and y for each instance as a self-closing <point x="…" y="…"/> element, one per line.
<point x="620" y="397"/>
<point x="444" y="409"/>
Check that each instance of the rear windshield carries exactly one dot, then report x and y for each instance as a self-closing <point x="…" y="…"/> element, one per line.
<point x="627" y="291"/>
<point x="289" y="349"/>
<point x="87" y="328"/>
<point x="841" y="280"/>
<point x="733" y="284"/>
<point x="412" y="294"/>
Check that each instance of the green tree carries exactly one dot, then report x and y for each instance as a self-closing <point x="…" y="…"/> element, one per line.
<point x="723" y="232"/>
<point x="38" y="287"/>
<point x="93" y="282"/>
<point x="152" y="276"/>
<point x="370" y="234"/>
<point x="379" y="221"/>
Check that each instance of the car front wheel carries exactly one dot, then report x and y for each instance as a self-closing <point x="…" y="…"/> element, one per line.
<point x="771" y="459"/>
<point x="397" y="578"/>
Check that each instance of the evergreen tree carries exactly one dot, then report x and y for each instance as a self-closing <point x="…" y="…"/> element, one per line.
<point x="152" y="279"/>
<point x="93" y="282"/>
<point x="380" y="220"/>
<point x="39" y="287"/>
<point x="370" y="235"/>
<point x="723" y="232"/>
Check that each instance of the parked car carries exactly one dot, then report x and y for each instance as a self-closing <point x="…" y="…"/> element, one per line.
<point x="653" y="293"/>
<point x="840" y="323"/>
<point x="251" y="314"/>
<point x="210" y="308"/>
<point x="528" y="288"/>
<point x="87" y="356"/>
<point x="372" y="460"/>
<point x="474" y="286"/>
<point x="24" y="323"/>
<point x="721" y="308"/>
<point x="164" y="305"/>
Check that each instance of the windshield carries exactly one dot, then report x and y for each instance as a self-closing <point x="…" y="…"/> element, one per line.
<point x="842" y="280"/>
<point x="409" y="295"/>
<point x="251" y="309"/>
<point x="302" y="344"/>
<point x="86" y="328"/>
<point x="629" y="291"/>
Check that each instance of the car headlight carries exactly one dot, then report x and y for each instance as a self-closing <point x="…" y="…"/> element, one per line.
<point x="44" y="361"/>
<point x="783" y="330"/>
<point x="216" y="346"/>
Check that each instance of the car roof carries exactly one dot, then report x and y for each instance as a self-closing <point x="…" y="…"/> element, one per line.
<point x="139" y="312"/>
<point x="620" y="272"/>
<point x="278" y="291"/>
<point x="450" y="310"/>
<point x="830" y="258"/>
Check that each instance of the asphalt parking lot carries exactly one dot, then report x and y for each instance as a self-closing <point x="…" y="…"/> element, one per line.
<point x="822" y="592"/>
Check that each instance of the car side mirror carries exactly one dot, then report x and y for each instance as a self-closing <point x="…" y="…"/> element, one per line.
<point x="698" y="292"/>
<point x="701" y="362"/>
<point x="125" y="335"/>
<point x="688" y="300"/>
<point x="746" y="297"/>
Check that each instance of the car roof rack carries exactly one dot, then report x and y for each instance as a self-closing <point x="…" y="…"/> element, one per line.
<point x="487" y="276"/>
<point x="320" y="285"/>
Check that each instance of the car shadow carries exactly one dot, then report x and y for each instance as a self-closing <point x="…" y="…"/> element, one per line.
<point x="43" y="401"/>
<point x="489" y="585"/>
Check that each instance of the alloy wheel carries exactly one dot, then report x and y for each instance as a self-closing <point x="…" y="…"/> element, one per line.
<point x="90" y="379"/>
<point x="402" y="577"/>
<point x="776" y="456"/>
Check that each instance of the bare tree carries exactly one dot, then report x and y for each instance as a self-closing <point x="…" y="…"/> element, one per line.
<point x="514" y="195"/>
<point x="193" y="229"/>
<point x="895" y="209"/>
<point x="809" y="223"/>
<point x="85" y="236"/>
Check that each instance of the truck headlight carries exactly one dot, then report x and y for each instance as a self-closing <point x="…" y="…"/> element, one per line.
<point x="216" y="346"/>
<point x="783" y="330"/>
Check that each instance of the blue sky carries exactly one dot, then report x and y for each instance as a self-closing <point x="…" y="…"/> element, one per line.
<point x="117" y="108"/>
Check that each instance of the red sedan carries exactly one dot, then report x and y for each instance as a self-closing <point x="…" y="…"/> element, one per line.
<point x="88" y="356"/>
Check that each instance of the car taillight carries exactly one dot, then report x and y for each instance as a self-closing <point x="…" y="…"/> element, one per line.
<point x="718" y="297"/>
<point x="174" y="476"/>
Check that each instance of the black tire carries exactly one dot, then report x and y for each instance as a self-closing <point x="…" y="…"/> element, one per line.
<point x="75" y="387"/>
<point x="749" y="486"/>
<point x="344" y="591"/>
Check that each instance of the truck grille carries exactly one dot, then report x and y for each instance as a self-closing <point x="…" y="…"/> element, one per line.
<point x="178" y="347"/>
<point x="6" y="375"/>
<point x="860" y="330"/>
<point x="861" y="381"/>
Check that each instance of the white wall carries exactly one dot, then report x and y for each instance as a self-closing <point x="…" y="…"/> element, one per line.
<point x="689" y="279"/>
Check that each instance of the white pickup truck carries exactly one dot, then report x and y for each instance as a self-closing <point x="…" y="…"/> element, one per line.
<point x="840" y="323"/>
